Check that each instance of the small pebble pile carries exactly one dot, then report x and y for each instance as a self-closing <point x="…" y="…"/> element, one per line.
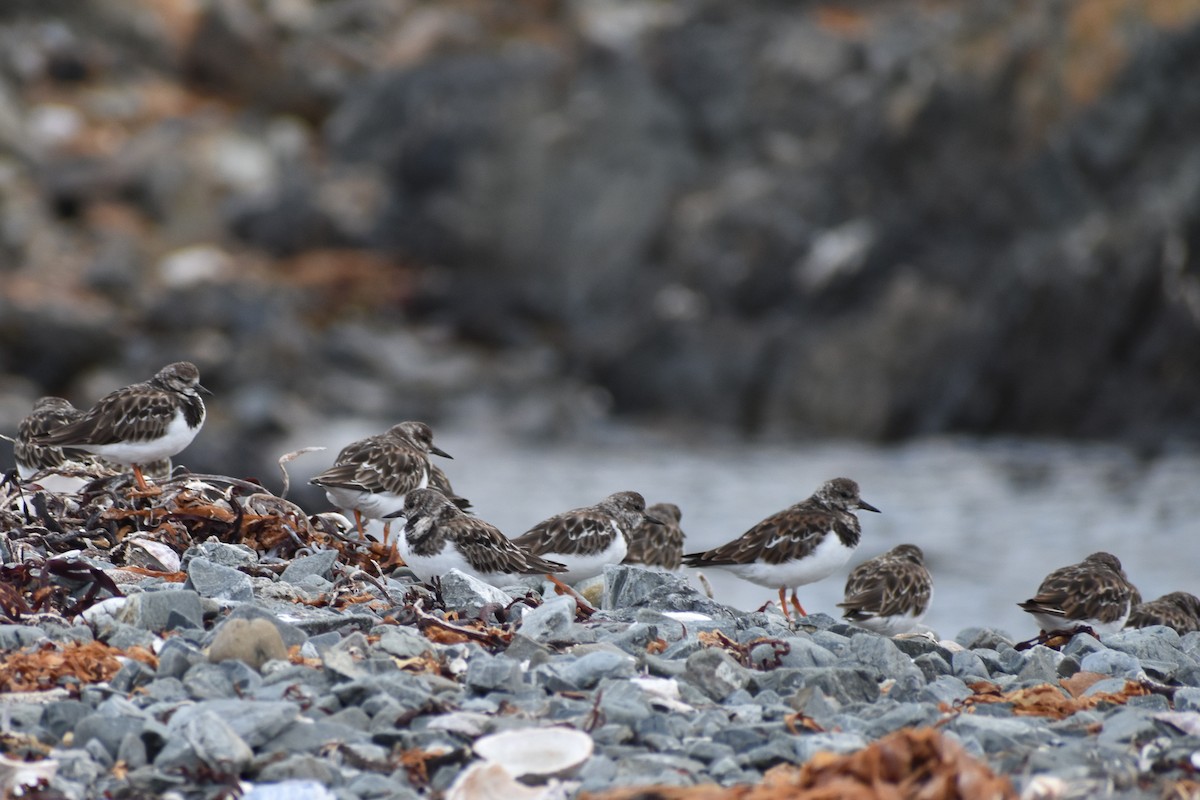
<point x="305" y="677"/>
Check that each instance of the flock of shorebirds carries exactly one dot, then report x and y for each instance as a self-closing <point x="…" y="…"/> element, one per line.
<point x="391" y="477"/>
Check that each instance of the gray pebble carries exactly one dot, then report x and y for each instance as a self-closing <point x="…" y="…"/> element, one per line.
<point x="106" y="728"/>
<point x="550" y="622"/>
<point x="623" y="702"/>
<point x="1041" y="665"/>
<point x="319" y="564"/>
<point x="469" y="594"/>
<point x="1111" y="662"/>
<point x="486" y="673"/>
<point x="168" y="609"/>
<point x="967" y="665"/>
<point x="14" y="637"/>
<point x="715" y="673"/>
<point x="218" y="581"/>
<point x="227" y="555"/>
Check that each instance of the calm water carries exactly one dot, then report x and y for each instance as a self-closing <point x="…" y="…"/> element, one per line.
<point x="993" y="518"/>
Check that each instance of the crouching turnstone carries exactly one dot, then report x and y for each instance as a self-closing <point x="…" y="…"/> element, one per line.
<point x="890" y="593"/>
<point x="1178" y="610"/>
<point x="658" y="544"/>
<point x="48" y="413"/>
<point x="439" y="537"/>
<point x="372" y="476"/>
<point x="799" y="545"/>
<point x="139" y="424"/>
<point x="1092" y="594"/>
<point x="587" y="539"/>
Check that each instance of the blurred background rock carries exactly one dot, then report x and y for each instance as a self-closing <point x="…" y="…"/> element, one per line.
<point x="778" y="220"/>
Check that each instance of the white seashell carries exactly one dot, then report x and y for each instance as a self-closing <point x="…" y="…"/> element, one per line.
<point x="485" y="780"/>
<point x="149" y="554"/>
<point x="15" y="773"/>
<point x="664" y="692"/>
<point x="536" y="751"/>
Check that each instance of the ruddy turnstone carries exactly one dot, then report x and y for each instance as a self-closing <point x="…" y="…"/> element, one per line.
<point x="586" y="539"/>
<point x="48" y="413"/>
<point x="1091" y="594"/>
<point x="439" y="481"/>
<point x="372" y="476"/>
<point x="439" y="537"/>
<point x="799" y="545"/>
<point x="139" y="424"/>
<point x="1178" y="610"/>
<point x="890" y="593"/>
<point x="658" y="544"/>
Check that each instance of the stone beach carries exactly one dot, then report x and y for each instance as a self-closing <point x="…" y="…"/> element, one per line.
<point x="277" y="661"/>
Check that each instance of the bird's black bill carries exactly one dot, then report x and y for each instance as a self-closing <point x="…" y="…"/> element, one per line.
<point x="200" y="388"/>
<point x="654" y="520"/>
<point x="394" y="515"/>
<point x="865" y="506"/>
<point x="437" y="451"/>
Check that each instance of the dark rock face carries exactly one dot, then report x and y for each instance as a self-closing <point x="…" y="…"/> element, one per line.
<point x="754" y="220"/>
<point x="893" y="221"/>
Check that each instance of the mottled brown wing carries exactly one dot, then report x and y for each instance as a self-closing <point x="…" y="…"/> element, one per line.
<point x="1076" y="593"/>
<point x="136" y="413"/>
<point x="489" y="550"/>
<point x="789" y="535"/>
<point x="887" y="588"/>
<point x="1174" y="611"/>
<point x="439" y="481"/>
<point x="37" y="425"/>
<point x="656" y="545"/>
<point x="376" y="465"/>
<point x="572" y="532"/>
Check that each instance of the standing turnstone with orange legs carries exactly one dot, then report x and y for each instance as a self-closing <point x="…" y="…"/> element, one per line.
<point x="372" y="476"/>
<point x="800" y="545"/>
<point x="139" y="424"/>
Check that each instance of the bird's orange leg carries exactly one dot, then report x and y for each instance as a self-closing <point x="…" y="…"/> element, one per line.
<point x="387" y="526"/>
<point x="783" y="603"/>
<point x="796" y="603"/>
<point x="143" y="489"/>
<point x="564" y="589"/>
<point x="358" y="524"/>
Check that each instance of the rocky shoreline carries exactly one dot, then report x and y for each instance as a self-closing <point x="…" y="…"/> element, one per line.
<point x="137" y="663"/>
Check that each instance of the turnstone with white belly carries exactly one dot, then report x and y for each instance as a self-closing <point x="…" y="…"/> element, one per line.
<point x="140" y="423"/>
<point x="890" y="593"/>
<point x="658" y="544"/>
<point x="1092" y="594"/>
<point x="799" y="545"/>
<point x="372" y="476"/>
<point x="439" y="537"/>
<point x="587" y="539"/>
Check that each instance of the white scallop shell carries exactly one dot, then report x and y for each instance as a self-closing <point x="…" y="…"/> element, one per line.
<point x="536" y="751"/>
